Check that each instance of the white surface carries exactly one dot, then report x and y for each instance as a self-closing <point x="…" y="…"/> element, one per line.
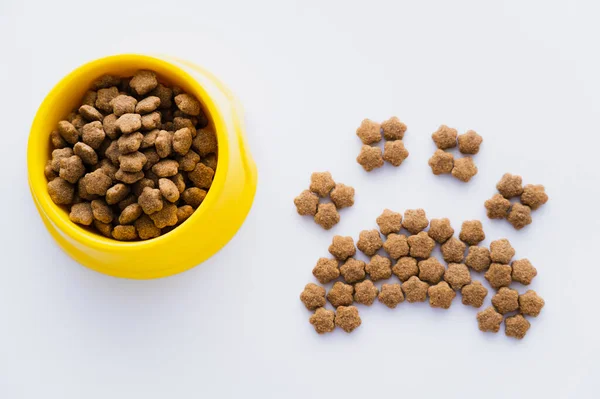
<point x="522" y="73"/>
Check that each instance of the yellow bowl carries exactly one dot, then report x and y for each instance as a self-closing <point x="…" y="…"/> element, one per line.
<point x="211" y="226"/>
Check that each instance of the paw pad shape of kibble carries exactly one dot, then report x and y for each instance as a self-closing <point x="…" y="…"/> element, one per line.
<point x="518" y="214"/>
<point x="443" y="162"/>
<point x="120" y="138"/>
<point x="325" y="214"/>
<point x="370" y="133"/>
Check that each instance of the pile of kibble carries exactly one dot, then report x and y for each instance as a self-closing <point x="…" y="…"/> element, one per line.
<point x="134" y="160"/>
<point x="420" y="275"/>
<point x="518" y="214"/>
<point x="443" y="162"/>
<point x="370" y="133"/>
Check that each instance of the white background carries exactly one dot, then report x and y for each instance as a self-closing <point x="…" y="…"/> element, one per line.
<point x="524" y="74"/>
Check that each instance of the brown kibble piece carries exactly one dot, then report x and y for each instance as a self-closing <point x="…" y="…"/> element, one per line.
<point x="151" y="121"/>
<point x="478" y="258"/>
<point x="327" y="216"/>
<point x="109" y="124"/>
<point x="472" y="232"/>
<point x="188" y="162"/>
<point x="519" y="216"/>
<point x="108" y="168"/>
<point x="393" y="129"/>
<point x="340" y="294"/>
<point x="474" y="294"/>
<point x="86" y="153"/>
<point x="353" y="270"/>
<point x="369" y="132"/>
<point x="101" y="211"/>
<point x="497" y="207"/>
<point x="464" y="169"/>
<point x="167" y="216"/>
<point x="179" y="182"/>
<point x="421" y="245"/>
<point x="124" y="233"/>
<point x="145" y="227"/>
<point x="123" y="104"/>
<point x="57" y="140"/>
<point x="313" y="296"/>
<point x="132" y="162"/>
<point x="405" y="268"/>
<point x="182" y="141"/>
<point x="143" y="82"/>
<point x="71" y="169"/>
<point x="112" y="153"/>
<point x="396" y="245"/>
<point x="164" y="143"/>
<point x="129" y="143"/>
<point x="96" y="182"/>
<point x="183" y="213"/>
<point x="523" y="271"/>
<point x="180" y="123"/>
<point x="188" y="104"/>
<point x="150" y="200"/>
<point x="444" y="137"/>
<point x="129" y="123"/>
<point x="531" y="303"/>
<point x="170" y="167"/>
<point x="489" y="320"/>
<point x="342" y="247"/>
<point x="149" y="139"/>
<point x="534" y="196"/>
<point x="510" y="186"/>
<point x="516" y="326"/>
<point x="104" y="228"/>
<point x="441" y="295"/>
<point x="501" y="251"/>
<point x="431" y="270"/>
<point x="90" y="113"/>
<point x="81" y="213"/>
<point x="469" y="142"/>
<point x="321" y="183"/>
<point x="68" y="132"/>
<point x="93" y="134"/>
<point x="105" y="81"/>
<point x="389" y="222"/>
<point x="49" y="171"/>
<point x="441" y="162"/>
<point x="168" y="189"/>
<point x="453" y="250"/>
<point x="506" y="300"/>
<point x="379" y="268"/>
<point x="306" y="203"/>
<point x="440" y="230"/>
<point x="370" y="158"/>
<point x="116" y="193"/>
<point x="499" y="275"/>
<point x="193" y="196"/>
<point x="59" y="154"/>
<point x="415" y="220"/>
<point x="210" y="160"/>
<point x="347" y="318"/>
<point x="89" y="98"/>
<point x="415" y="290"/>
<point x="342" y="196"/>
<point x="147" y="105"/>
<point x="369" y="242"/>
<point x="130" y="213"/>
<point x="205" y="142"/>
<point x="165" y="94"/>
<point x="140" y="185"/>
<point x="129" y="177"/>
<point x="201" y="176"/>
<point x="394" y="152"/>
<point x="457" y="275"/>
<point x="104" y="98"/>
<point x="323" y="320"/>
<point x="326" y="270"/>
<point x="391" y="295"/>
<point x="365" y="292"/>
<point x="130" y="199"/>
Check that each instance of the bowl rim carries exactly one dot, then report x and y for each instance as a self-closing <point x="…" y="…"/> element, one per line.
<point x="36" y="148"/>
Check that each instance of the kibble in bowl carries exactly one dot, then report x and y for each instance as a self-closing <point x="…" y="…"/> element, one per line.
<point x="121" y="129"/>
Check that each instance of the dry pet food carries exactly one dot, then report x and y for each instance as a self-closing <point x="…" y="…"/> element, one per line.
<point x="464" y="169"/>
<point x="415" y="290"/>
<point x="510" y="186"/>
<point x="415" y="220"/>
<point x="431" y="270"/>
<point x="441" y="295"/>
<point x="497" y="207"/>
<point x="370" y="158"/>
<point x="473" y="294"/>
<point x="516" y="326"/>
<point x="389" y="222"/>
<point x="519" y="216"/>
<point x="489" y="320"/>
<point x="120" y="138"/>
<point x="313" y="296"/>
<point x="326" y="270"/>
<point x="369" y="242"/>
<point x="391" y="295"/>
<point x="478" y="258"/>
<point x="420" y="245"/>
<point x="396" y="245"/>
<point x="440" y="230"/>
<point x="340" y="294"/>
<point x="534" y="196"/>
<point x="306" y="203"/>
<point x="365" y="292"/>
<point x="531" y="303"/>
<point x="342" y="247"/>
<point x="472" y="232"/>
<point x="323" y="320"/>
<point x="457" y="275"/>
<point x="445" y="137"/>
<point x="453" y="250"/>
<point x="369" y="132"/>
<point x="347" y="318"/>
<point x="353" y="270"/>
<point x="379" y="268"/>
<point x="405" y="268"/>
<point x="523" y="271"/>
<point x="394" y="152"/>
<point x="321" y="183"/>
<point x="499" y="275"/>
<point x="393" y="129"/>
<point x="342" y="196"/>
<point x="501" y="251"/>
<point x="506" y="300"/>
<point x="327" y="216"/>
<point x="441" y="162"/>
<point x="469" y="142"/>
